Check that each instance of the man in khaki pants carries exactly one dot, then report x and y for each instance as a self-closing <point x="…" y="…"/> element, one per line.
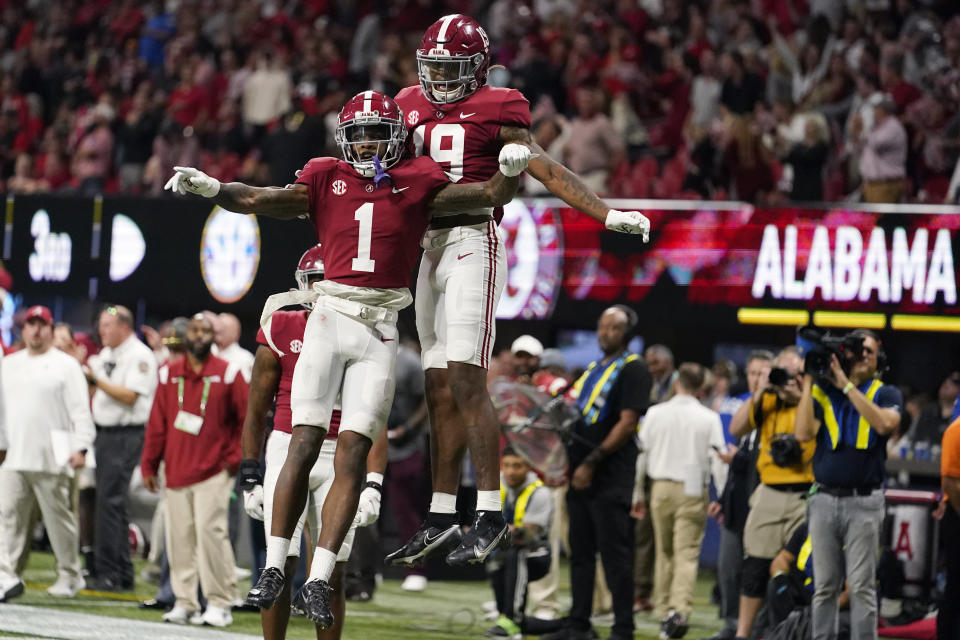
<point x="195" y="428"/>
<point x="778" y="505"/>
<point x="676" y="439"/>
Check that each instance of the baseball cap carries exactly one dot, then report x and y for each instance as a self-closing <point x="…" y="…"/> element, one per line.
<point x="527" y="344"/>
<point x="39" y="311"/>
<point x="553" y="358"/>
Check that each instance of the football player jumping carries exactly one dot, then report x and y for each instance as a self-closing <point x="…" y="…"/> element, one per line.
<point x="458" y="120"/>
<point x="272" y="378"/>
<point x="370" y="223"/>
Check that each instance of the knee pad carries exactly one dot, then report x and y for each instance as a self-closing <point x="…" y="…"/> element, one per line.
<point x="754" y="576"/>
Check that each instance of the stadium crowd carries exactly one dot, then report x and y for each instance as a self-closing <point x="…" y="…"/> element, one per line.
<point x="718" y="424"/>
<point x="749" y="99"/>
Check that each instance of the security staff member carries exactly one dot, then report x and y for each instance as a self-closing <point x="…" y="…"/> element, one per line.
<point x="948" y="616"/>
<point x="850" y="418"/>
<point x="612" y="394"/>
<point x="124" y="379"/>
<point x="777" y="506"/>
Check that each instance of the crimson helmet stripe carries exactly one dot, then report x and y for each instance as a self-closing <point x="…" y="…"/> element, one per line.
<point x="442" y="36"/>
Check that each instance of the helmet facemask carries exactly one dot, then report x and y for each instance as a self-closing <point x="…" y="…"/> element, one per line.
<point x="446" y="79"/>
<point x="364" y="137"/>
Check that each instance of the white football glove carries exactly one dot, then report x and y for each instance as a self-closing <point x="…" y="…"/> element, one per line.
<point x="514" y="159"/>
<point x="253" y="502"/>
<point x="189" y="180"/>
<point x="629" y="222"/>
<point x="368" y="510"/>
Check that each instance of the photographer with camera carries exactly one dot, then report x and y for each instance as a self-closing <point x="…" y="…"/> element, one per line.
<point x="777" y="506"/>
<point x="849" y="412"/>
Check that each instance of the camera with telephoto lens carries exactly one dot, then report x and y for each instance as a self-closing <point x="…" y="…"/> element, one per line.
<point x="821" y="347"/>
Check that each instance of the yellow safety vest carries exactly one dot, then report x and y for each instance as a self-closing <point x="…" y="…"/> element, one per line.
<point x="833" y="426"/>
<point x="522" y="500"/>
<point x="804" y="557"/>
<point x="590" y="408"/>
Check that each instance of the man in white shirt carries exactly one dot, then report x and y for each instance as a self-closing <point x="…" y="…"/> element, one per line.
<point x="676" y="438"/>
<point x="227" y="335"/>
<point x="124" y="379"/>
<point x="45" y="436"/>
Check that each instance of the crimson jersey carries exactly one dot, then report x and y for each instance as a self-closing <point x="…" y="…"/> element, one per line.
<point x="286" y="329"/>
<point x="463" y="136"/>
<point x="371" y="236"/>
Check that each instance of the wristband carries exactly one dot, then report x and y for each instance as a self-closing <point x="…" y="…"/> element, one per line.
<point x="249" y="474"/>
<point x="847" y="388"/>
<point x="374" y="485"/>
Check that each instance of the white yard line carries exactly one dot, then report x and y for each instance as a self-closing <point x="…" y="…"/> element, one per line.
<point x="57" y="623"/>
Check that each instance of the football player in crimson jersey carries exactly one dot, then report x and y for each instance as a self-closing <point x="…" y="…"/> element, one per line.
<point x="272" y="379"/>
<point x="370" y="224"/>
<point x="458" y="120"/>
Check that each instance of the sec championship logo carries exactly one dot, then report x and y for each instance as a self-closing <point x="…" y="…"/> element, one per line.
<point x="413" y="118"/>
<point x="295" y="346"/>
<point x="339" y="187"/>
<point x="229" y="254"/>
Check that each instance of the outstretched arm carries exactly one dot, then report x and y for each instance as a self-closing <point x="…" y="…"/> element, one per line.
<point x="275" y="202"/>
<point x="495" y="192"/>
<point x="455" y="198"/>
<point x="565" y="184"/>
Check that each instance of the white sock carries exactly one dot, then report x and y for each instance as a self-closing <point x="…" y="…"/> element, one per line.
<point x="323" y="563"/>
<point x="447" y="503"/>
<point x="488" y="501"/>
<point x="277" y="549"/>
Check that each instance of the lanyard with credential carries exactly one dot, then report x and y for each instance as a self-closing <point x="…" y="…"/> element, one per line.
<point x="204" y="395"/>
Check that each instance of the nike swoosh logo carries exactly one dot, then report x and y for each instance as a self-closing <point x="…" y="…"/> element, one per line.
<point x="429" y="541"/>
<point x="395" y="190"/>
<point x="459" y="257"/>
<point x="464" y="116"/>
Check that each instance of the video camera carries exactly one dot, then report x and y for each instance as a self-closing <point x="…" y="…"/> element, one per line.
<point x="820" y="347"/>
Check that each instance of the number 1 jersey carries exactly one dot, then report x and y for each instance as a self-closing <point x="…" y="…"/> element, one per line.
<point x="463" y="136"/>
<point x="371" y="235"/>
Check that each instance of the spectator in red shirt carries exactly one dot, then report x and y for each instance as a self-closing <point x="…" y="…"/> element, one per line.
<point x="891" y="76"/>
<point x="194" y="428"/>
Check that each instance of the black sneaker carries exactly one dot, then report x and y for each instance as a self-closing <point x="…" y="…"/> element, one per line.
<point x="313" y="601"/>
<point x="425" y="541"/>
<point x="488" y="533"/>
<point x="267" y="589"/>
<point x="675" y="625"/>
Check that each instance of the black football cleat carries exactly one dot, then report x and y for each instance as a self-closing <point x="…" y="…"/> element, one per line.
<point x="267" y="589"/>
<point x="313" y="601"/>
<point x="488" y="533"/>
<point x="425" y="541"/>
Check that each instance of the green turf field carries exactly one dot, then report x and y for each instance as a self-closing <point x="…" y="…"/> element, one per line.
<point x="446" y="611"/>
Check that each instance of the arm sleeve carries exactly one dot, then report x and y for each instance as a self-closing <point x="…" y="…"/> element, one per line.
<point x="635" y="381"/>
<point x="889" y="397"/>
<point x="515" y="110"/>
<point x="311" y="176"/>
<point x="155" y="437"/>
<point x="142" y="375"/>
<point x="950" y="457"/>
<point x="539" y="509"/>
<point x="77" y="401"/>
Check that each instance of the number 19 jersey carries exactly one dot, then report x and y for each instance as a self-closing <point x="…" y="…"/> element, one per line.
<point x="463" y="136"/>
<point x="371" y="235"/>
